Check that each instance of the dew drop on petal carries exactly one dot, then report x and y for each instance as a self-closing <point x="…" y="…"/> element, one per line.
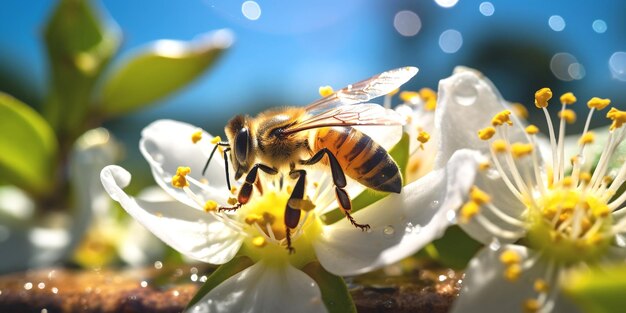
<point x="451" y="216"/>
<point x="495" y="245"/>
<point x="203" y="279"/>
<point x="617" y="65"/>
<point x="434" y="204"/>
<point x="389" y="230"/>
<point x="465" y="92"/>
<point x="194" y="277"/>
<point x="201" y="308"/>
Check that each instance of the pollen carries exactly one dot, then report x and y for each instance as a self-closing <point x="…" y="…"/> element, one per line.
<point x="326" y="91"/>
<point x="585" y="177"/>
<point x="210" y="206"/>
<point x="469" y="210"/>
<point x="541" y="286"/>
<point x="486" y="133"/>
<point x="216" y="139"/>
<point x="568" y="98"/>
<point x="598" y="103"/>
<point x="499" y="146"/>
<point x="532" y="129"/>
<point x="232" y="201"/>
<point x="430" y="98"/>
<point x="567" y="181"/>
<point x="531" y="306"/>
<point x="259" y="242"/>
<point x="542" y="96"/>
<point x="423" y="137"/>
<point x="408" y="96"/>
<point x="196" y="136"/>
<point x="519" y="149"/>
<point x="502" y="118"/>
<point x="484" y="166"/>
<point x="252" y="218"/>
<point x="618" y="117"/>
<point x="510" y="257"/>
<point x="520" y="110"/>
<point x="568" y="115"/>
<point x="513" y="272"/>
<point x="478" y="196"/>
<point x="179" y="180"/>
<point x="587" y="138"/>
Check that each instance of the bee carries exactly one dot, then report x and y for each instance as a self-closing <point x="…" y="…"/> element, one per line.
<point x="286" y="140"/>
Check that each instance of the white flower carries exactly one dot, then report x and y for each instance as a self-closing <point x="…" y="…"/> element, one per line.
<point x="537" y="216"/>
<point x="400" y="223"/>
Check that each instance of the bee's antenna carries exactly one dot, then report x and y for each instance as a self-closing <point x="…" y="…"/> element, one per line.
<point x="206" y="165"/>
<point x="226" y="167"/>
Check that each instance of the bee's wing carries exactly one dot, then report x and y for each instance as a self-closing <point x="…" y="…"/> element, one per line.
<point x="365" y="90"/>
<point x="365" y="114"/>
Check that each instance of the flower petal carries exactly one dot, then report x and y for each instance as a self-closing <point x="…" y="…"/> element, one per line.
<point x="194" y="233"/>
<point x="486" y="290"/>
<point x="264" y="287"/>
<point x="167" y="144"/>
<point x="401" y="223"/>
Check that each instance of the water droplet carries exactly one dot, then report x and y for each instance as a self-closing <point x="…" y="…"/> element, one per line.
<point x="451" y="216"/>
<point x="312" y="285"/>
<point x="201" y="308"/>
<point x="450" y="41"/>
<point x="465" y="92"/>
<point x="599" y="26"/>
<point x="493" y="174"/>
<point x="158" y="265"/>
<point x="144" y="284"/>
<point x="407" y="23"/>
<point x="389" y="230"/>
<point x="495" y="245"/>
<point x="203" y="279"/>
<point x="617" y="65"/>
<point x="28" y="286"/>
<point x="251" y="10"/>
<point x="557" y="23"/>
<point x="486" y="8"/>
<point x="434" y="204"/>
<point x="41" y="285"/>
<point x="194" y="277"/>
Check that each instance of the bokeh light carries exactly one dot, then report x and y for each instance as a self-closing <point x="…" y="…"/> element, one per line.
<point x="566" y="67"/>
<point x="599" y="26"/>
<point x="486" y="8"/>
<point x="407" y="23"/>
<point x="557" y="23"/>
<point x="446" y="3"/>
<point x="617" y="64"/>
<point x="450" y="41"/>
<point x="251" y="10"/>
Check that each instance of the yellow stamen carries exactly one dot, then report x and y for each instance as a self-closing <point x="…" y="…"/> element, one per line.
<point x="253" y="218"/>
<point x="519" y="149"/>
<point x="407" y="96"/>
<point x="542" y="96"/>
<point x="269" y="218"/>
<point x="478" y="196"/>
<point x="598" y="103"/>
<point x="618" y="117"/>
<point x="510" y="257"/>
<point x="531" y="306"/>
<point x="499" y="146"/>
<point x="232" y="201"/>
<point x="430" y="98"/>
<point x="210" y="206"/>
<point x="301" y="204"/>
<point x="568" y="115"/>
<point x="501" y="118"/>
<point x="513" y="272"/>
<point x="259" y="242"/>
<point x="233" y="190"/>
<point x="567" y="181"/>
<point x="585" y="177"/>
<point x="486" y="133"/>
<point x="532" y="129"/>
<point x="197" y="136"/>
<point x="568" y="98"/>
<point x="519" y="110"/>
<point x="179" y="180"/>
<point x="326" y="91"/>
<point x="469" y="210"/>
<point x="216" y="139"/>
<point x="586" y="138"/>
<point x="423" y="137"/>
<point x="541" y="286"/>
<point x="484" y="165"/>
<point x="394" y="92"/>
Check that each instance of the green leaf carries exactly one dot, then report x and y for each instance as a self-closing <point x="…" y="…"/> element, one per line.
<point x="455" y="249"/>
<point x="598" y="290"/>
<point x="79" y="45"/>
<point x="221" y="274"/>
<point x="400" y="154"/>
<point x="28" y="146"/>
<point x="159" y="70"/>
<point x="335" y="293"/>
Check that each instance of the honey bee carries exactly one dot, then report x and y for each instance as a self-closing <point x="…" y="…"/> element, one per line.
<point x="283" y="140"/>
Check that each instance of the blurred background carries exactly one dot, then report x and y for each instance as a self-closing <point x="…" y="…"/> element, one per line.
<point x="284" y="50"/>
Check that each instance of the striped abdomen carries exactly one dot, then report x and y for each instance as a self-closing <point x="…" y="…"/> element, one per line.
<point x="361" y="158"/>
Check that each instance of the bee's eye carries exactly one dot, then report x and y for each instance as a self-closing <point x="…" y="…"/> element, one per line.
<point x="241" y="145"/>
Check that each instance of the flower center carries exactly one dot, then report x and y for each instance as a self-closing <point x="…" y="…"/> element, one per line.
<point x="569" y="225"/>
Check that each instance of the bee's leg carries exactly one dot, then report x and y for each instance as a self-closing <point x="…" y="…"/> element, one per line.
<point x="292" y="215"/>
<point x="339" y="179"/>
<point x="246" y="189"/>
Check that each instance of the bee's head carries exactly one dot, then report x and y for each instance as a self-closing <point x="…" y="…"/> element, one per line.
<point x="241" y="142"/>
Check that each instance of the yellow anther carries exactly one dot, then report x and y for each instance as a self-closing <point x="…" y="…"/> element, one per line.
<point x="510" y="257"/>
<point x="252" y="218"/>
<point x="183" y="170"/>
<point x="519" y="149"/>
<point x="532" y="129"/>
<point x="484" y="165"/>
<point x="469" y="210"/>
<point x="407" y="96"/>
<point x="268" y="218"/>
<point x="598" y="103"/>
<point x="232" y="200"/>
<point x="585" y="177"/>
<point x="326" y="91"/>
<point x="618" y="117"/>
<point x="195" y="137"/>
<point x="499" y="146"/>
<point x="423" y="137"/>
<point x="394" y="92"/>
<point x="542" y="96"/>
<point x="233" y="190"/>
<point x="568" y="98"/>
<point x="259" y="242"/>
<point x="316" y="184"/>
<point x="531" y="306"/>
<point x="595" y="239"/>
<point x="541" y="286"/>
<point x="567" y="181"/>
<point x="568" y="115"/>
<point x="179" y="180"/>
<point x="478" y="196"/>
<point x="300" y="204"/>
<point x="430" y="98"/>
<point x="289" y="189"/>
<point x="216" y="139"/>
<point x="607" y="180"/>
<point x="513" y="272"/>
<point x="486" y="133"/>
<point x="210" y="206"/>
<point x="501" y="118"/>
<point x="519" y="110"/>
<point x="586" y="138"/>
